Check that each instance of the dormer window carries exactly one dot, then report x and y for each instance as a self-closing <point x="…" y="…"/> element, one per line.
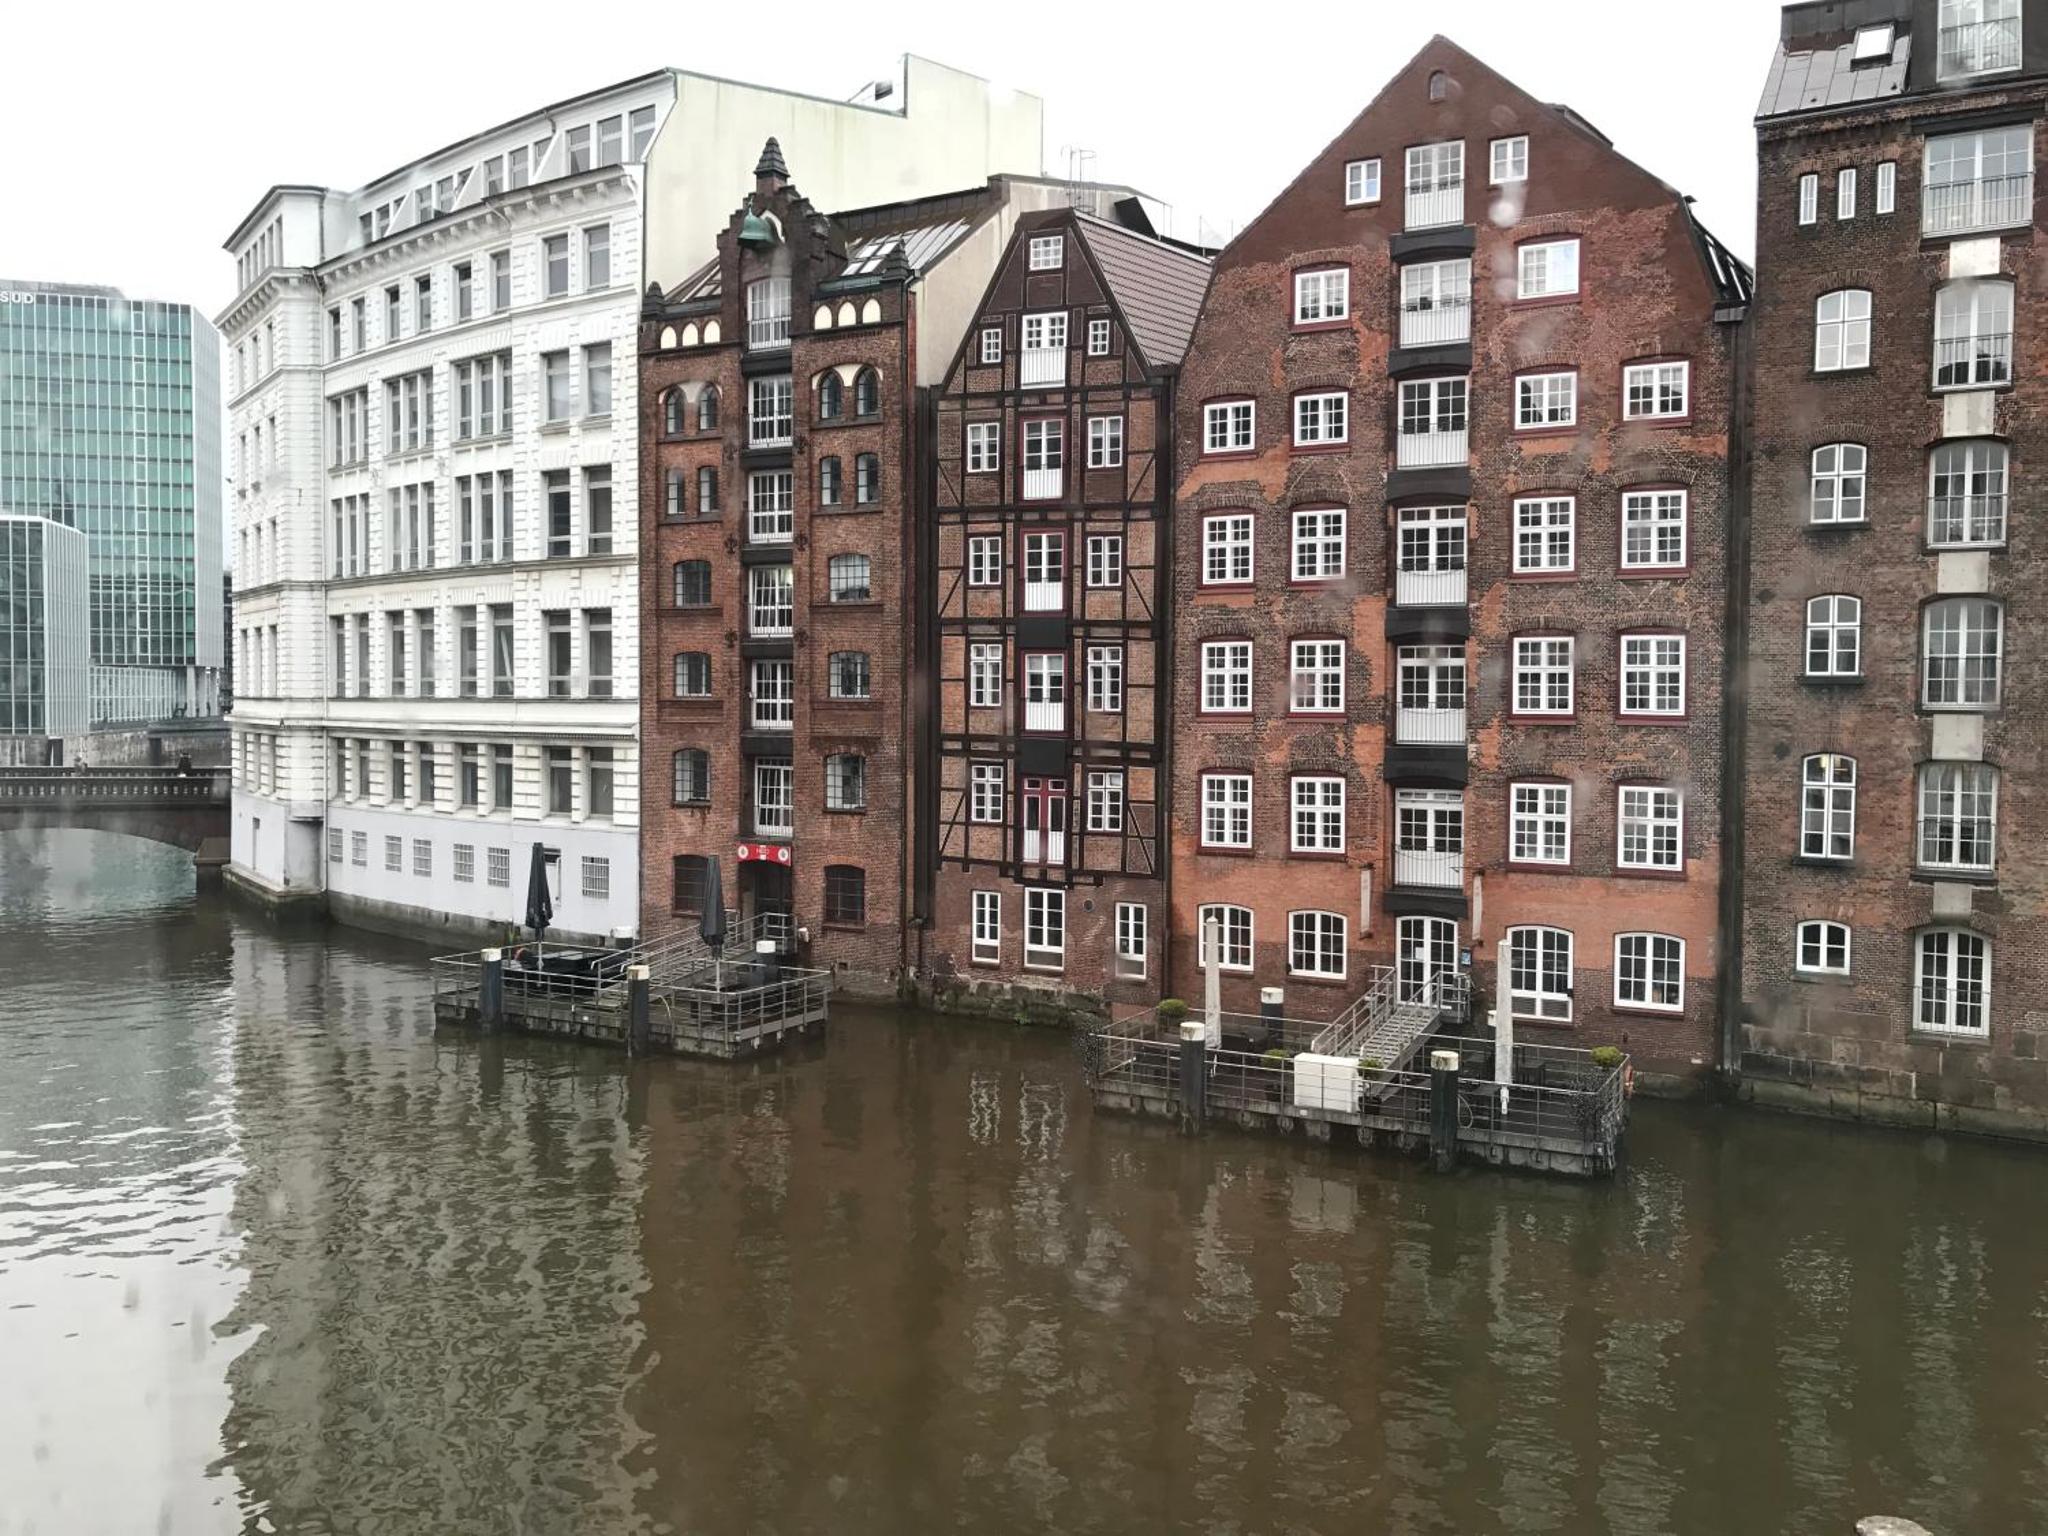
<point x="1978" y="37"/>
<point x="1873" y="45"/>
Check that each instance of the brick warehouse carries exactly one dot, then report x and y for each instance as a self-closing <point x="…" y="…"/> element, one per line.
<point x="1050" y="533"/>
<point x="780" y="417"/>
<point x="1450" y="590"/>
<point x="1892" y="954"/>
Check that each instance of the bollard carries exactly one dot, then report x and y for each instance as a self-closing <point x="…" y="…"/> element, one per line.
<point x="490" y="992"/>
<point x="1272" y="1005"/>
<point x="1194" y="1071"/>
<point x="639" y="1030"/>
<point x="1443" y="1110"/>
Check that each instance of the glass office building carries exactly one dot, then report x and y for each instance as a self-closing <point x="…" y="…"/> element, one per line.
<point x="110" y="425"/>
<point x="43" y="630"/>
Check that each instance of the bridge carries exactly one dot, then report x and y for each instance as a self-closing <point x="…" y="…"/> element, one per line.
<point x="187" y="808"/>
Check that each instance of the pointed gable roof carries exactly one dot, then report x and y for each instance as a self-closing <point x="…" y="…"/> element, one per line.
<point x="1159" y="287"/>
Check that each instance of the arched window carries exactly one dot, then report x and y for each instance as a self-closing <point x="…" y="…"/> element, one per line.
<point x="1834" y="636"/>
<point x="707" y="409"/>
<point x="846" y="782"/>
<point x="1827" y="811"/>
<point x="1838" y="482"/>
<point x="1316" y="944"/>
<point x="672" y="412"/>
<point x="1966" y="495"/>
<point x="1962" y="639"/>
<point x="848" y="576"/>
<point x="867" y="393"/>
<point x="1841" y="330"/>
<point x="707" y="491"/>
<point x="693" y="674"/>
<point x="1439" y="85"/>
<point x="867" y="480"/>
<point x="691" y="870"/>
<point x="831" y="397"/>
<point x="693" y="583"/>
<point x="828" y="481"/>
<point x="675" y="504"/>
<point x="846" y="895"/>
<point x="1234" y="936"/>
<point x="1822" y="949"/>
<point x="848" y="675"/>
<point x="1539" y="978"/>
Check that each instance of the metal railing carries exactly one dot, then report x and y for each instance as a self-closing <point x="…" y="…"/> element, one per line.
<point x="1430" y="727"/>
<point x="1043" y="484"/>
<point x="1965" y="520"/>
<point x="1433" y="207"/>
<point x="1984" y="202"/>
<point x="1042" y="365"/>
<point x="1979" y="48"/>
<point x="1429" y="450"/>
<point x="1045" y="714"/>
<point x="1436" y="322"/>
<point x="113" y="786"/>
<point x="1430" y="589"/>
<point x="1963" y="362"/>
<point x="1429" y="869"/>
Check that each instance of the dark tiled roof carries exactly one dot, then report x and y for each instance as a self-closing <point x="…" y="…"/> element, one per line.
<point x="1807" y="79"/>
<point x="1733" y="282"/>
<point x="1158" y="286"/>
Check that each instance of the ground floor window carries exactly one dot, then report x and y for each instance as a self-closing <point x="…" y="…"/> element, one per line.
<point x="1540" y="974"/>
<point x="846" y="895"/>
<point x="1234" y="936"/>
<point x="1955" y="982"/>
<point x="1649" y="972"/>
<point x="1131" y="925"/>
<point x="1045" y="927"/>
<point x="988" y="927"/>
<point x="1315" y="944"/>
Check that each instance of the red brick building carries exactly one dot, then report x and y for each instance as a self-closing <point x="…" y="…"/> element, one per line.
<point x="1895" y="931"/>
<point x="1452" y="519"/>
<point x="1051" y="553"/>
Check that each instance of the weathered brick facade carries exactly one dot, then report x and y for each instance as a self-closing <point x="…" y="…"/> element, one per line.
<point x="1428" y="581"/>
<point x="1051" y="537"/>
<point x="1919" y="837"/>
<point x="801" y="606"/>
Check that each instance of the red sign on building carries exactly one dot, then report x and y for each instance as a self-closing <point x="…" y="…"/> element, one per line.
<point x="765" y="853"/>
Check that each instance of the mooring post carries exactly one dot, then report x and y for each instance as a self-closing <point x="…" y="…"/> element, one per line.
<point x="490" y="992"/>
<point x="1443" y="1110"/>
<point x="1194" y="1070"/>
<point x="639" y="1035"/>
<point x="1272" y="1005"/>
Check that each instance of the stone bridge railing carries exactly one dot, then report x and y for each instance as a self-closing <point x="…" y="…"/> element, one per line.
<point x="58" y="789"/>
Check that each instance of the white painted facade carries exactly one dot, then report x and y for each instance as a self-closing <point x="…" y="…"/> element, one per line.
<point x="351" y="295"/>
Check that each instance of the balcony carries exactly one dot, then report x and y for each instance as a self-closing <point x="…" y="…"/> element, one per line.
<point x="1042" y="365"/>
<point x="1435" y="871"/>
<point x="1965" y="522"/>
<point x="769" y="431"/>
<point x="1433" y="207"/>
<point x="1043" y="484"/>
<point x="1432" y="450"/>
<point x="1045" y="597"/>
<point x="1436" y="323"/>
<point x="1430" y="727"/>
<point x="773" y="821"/>
<point x="1979" y="48"/>
<point x="1988" y="202"/>
<point x="1044" y="847"/>
<point x="1430" y="589"/>
<point x="1972" y="362"/>
<point x="1045" y="715"/>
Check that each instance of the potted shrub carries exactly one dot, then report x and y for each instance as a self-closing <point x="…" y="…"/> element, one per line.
<point x="1607" y="1057"/>
<point x="1171" y="1011"/>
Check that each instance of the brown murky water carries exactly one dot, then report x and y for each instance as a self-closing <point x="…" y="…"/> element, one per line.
<point x="275" y="1256"/>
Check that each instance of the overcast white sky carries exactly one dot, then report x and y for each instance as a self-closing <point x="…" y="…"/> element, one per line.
<point x="141" y="134"/>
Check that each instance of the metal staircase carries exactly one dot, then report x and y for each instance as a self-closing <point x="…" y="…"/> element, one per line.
<point x="1389" y="1022"/>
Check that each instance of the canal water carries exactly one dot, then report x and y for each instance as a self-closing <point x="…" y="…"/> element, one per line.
<point x="277" y="1256"/>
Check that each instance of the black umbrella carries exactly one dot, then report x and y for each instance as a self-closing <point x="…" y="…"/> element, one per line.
<point x="711" y="922"/>
<point x="540" y="906"/>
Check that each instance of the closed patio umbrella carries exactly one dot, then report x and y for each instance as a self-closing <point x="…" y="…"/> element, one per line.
<point x="711" y="922"/>
<point x="540" y="906"/>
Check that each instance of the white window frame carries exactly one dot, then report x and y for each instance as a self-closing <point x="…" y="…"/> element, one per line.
<point x="1229" y="545"/>
<point x="1105" y="792"/>
<point x="1540" y="823"/>
<point x="1942" y="789"/>
<point x="1824" y="936"/>
<point x="1657" y="516"/>
<point x="1542" y="523"/>
<point x="1538" y="1002"/>
<point x="985" y="560"/>
<point x="1971" y="311"/>
<point x="1962" y="658"/>
<point x="1361" y="182"/>
<point x="1827" y="805"/>
<point x="1809" y="199"/>
<point x="1972" y="463"/>
<point x="1314" y="537"/>
<point x="1226" y="810"/>
<point x="1650" y="809"/>
<point x="1534" y="657"/>
<point x="986" y="791"/>
<point x="1835" y="621"/>
<point x="991" y="344"/>
<point x="1105" y="561"/>
<point x="985" y="674"/>
<point x="985" y="928"/>
<point x="1651" y="663"/>
<point x="1657" y="383"/>
<point x="1106" y="442"/>
<point x="984" y="447"/>
<point x="1939" y="1008"/>
<point x="1047" y="253"/>
<point x="1310" y="936"/>
<point x="1226" y="676"/>
<point x="1313" y="667"/>
<point x="1835" y="481"/>
<point x="1841" y="330"/>
<point x="1133" y="940"/>
<point x="1316" y="814"/>
<point x="1508" y="160"/>
<point x="1236" y="936"/>
<point x="1657" y="951"/>
<point x="1546" y="401"/>
<point x="1098" y="338"/>
<point x="1845" y="194"/>
<point x="1106" y="679"/>
<point x="1322" y="419"/>
<point x="1887" y="186"/>
<point x="1045" y="928"/>
<point x="1533" y="278"/>
<point x="1229" y="426"/>
<point x="1322" y="296"/>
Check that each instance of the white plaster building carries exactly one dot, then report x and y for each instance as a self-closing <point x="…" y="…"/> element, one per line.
<point x="433" y="409"/>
